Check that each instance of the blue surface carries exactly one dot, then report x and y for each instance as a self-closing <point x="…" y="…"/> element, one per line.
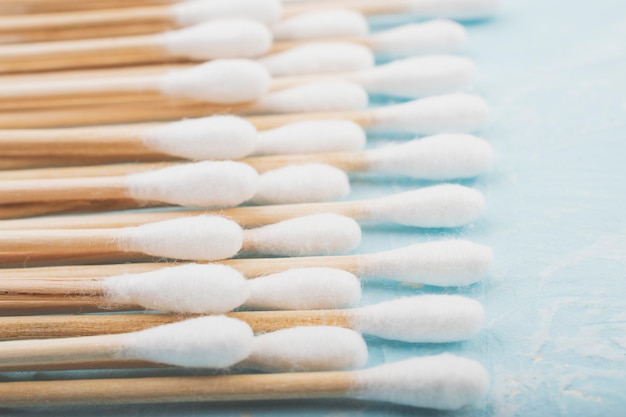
<point x="554" y="74"/>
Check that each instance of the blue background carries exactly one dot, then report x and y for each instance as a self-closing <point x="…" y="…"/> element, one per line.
<point x="554" y="74"/>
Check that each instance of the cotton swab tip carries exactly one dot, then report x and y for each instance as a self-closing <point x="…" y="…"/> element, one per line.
<point x="310" y="348"/>
<point x="302" y="184"/>
<point x="322" y="24"/>
<point x="305" y="289"/>
<point x="432" y="37"/>
<point x="439" y="157"/>
<point x="454" y="9"/>
<point x="193" y="12"/>
<point x="192" y="288"/>
<point x="206" y="342"/>
<point x="322" y="96"/>
<point x="446" y="205"/>
<point x="322" y="57"/>
<point x="318" y="234"/>
<point x="205" y="184"/>
<point x="421" y="319"/>
<point x="215" y="137"/>
<point x="202" y="238"/>
<point x="222" y="81"/>
<point x="441" y="263"/>
<point x="227" y="38"/>
<point x="444" y="382"/>
<point x="450" y="113"/>
<point x="311" y="137"/>
<point x="419" y="76"/>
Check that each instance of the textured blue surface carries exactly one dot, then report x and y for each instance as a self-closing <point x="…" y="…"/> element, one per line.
<point x="554" y="74"/>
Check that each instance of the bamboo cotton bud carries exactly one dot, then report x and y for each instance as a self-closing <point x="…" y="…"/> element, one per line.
<point x="326" y="234"/>
<point x="208" y="183"/>
<point x="304" y="289"/>
<point x="227" y="38"/>
<point x="206" y="342"/>
<point x="432" y="37"/>
<point x="302" y="183"/>
<point x="319" y="57"/>
<point x="314" y="348"/>
<point x="222" y="81"/>
<point x="322" y="24"/>
<point x="189" y="13"/>
<point x="214" y="137"/>
<point x="311" y="137"/>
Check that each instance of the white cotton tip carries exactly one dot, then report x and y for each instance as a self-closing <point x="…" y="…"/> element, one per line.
<point x="199" y="238"/>
<point x="205" y="342"/>
<point x="308" y="349"/>
<point x="419" y="76"/>
<point x="317" y="58"/>
<point x="319" y="234"/>
<point x="193" y="288"/>
<point x="222" y="81"/>
<point x="206" y="184"/>
<point x="314" y="136"/>
<point x="443" y="382"/>
<point x="443" y="263"/>
<point x="302" y="184"/>
<point x="230" y="38"/>
<point x="446" y="205"/>
<point x="214" y="137"/>
<point x="194" y="12"/>
<point x="450" y="113"/>
<point x="304" y="289"/>
<point x="439" y="157"/>
<point x="433" y="37"/>
<point x="322" y="96"/>
<point x="453" y="9"/>
<point x="421" y="319"/>
<point x="322" y="24"/>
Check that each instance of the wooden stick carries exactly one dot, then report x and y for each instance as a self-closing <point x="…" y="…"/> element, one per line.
<point x="19" y="353"/>
<point x="81" y="33"/>
<point x="250" y="268"/>
<point x="128" y="90"/>
<point x="64" y="189"/>
<point x="61" y="326"/>
<point x="347" y="161"/>
<point x="49" y="6"/>
<point x="17" y="211"/>
<point x="132" y="113"/>
<point x="177" y="389"/>
<point x="245" y="216"/>
<point x="157" y="16"/>
<point x="105" y="52"/>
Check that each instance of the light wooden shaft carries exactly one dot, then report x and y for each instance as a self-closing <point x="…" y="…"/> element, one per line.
<point x="49" y="6"/>
<point x="67" y="350"/>
<point x="63" y="189"/>
<point x="127" y="91"/>
<point x="89" y="115"/>
<point x="251" y="268"/>
<point x="64" y="287"/>
<point x="365" y="7"/>
<point x="81" y="19"/>
<point x="84" y="33"/>
<point x="16" y="305"/>
<point x="346" y="161"/>
<point x="82" y="53"/>
<point x="44" y="327"/>
<point x="65" y="242"/>
<point x="178" y="389"/>
<point x="73" y="142"/>
<point x="64" y="93"/>
<point x="245" y="216"/>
